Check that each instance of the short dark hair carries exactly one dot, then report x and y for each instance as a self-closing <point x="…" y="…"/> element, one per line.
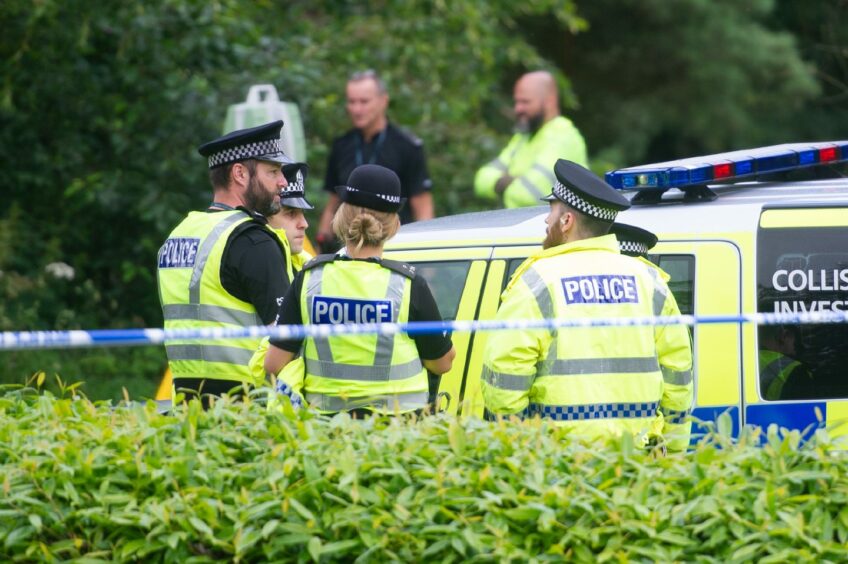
<point x="589" y="225"/>
<point x="220" y="176"/>
<point x="369" y="74"/>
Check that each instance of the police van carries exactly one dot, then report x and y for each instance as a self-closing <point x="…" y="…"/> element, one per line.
<point x="738" y="233"/>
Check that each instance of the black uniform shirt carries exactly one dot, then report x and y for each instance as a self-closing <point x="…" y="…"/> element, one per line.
<point x="253" y="268"/>
<point x="393" y="148"/>
<point x="422" y="307"/>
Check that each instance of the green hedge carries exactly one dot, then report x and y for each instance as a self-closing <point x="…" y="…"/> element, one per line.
<point x="89" y="481"/>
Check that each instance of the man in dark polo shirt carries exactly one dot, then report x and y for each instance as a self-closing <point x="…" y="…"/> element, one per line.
<point x="375" y="140"/>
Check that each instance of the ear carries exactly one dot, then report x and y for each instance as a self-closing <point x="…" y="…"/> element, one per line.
<point x="566" y="221"/>
<point x="239" y="174"/>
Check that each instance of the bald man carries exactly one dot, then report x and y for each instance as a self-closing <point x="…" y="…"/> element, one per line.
<point x="523" y="172"/>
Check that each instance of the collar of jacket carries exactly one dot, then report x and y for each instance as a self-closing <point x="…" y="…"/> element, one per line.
<point x="606" y="243"/>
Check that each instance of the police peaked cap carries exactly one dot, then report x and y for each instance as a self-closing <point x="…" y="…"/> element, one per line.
<point x="633" y="241"/>
<point x="583" y="190"/>
<point x="261" y="143"/>
<point x="293" y="195"/>
<point x="374" y="187"/>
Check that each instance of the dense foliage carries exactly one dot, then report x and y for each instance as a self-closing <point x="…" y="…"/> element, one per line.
<point x="83" y="479"/>
<point x="103" y="103"/>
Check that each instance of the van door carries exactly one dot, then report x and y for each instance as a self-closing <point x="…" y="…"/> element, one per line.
<point x="455" y="277"/>
<point x="802" y="266"/>
<point x="706" y="280"/>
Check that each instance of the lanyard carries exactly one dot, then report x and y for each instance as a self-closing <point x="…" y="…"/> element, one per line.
<point x="377" y="144"/>
<point x="221" y="206"/>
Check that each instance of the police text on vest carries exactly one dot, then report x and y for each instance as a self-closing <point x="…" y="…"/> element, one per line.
<point x="179" y="252"/>
<point x="600" y="289"/>
<point x="338" y="311"/>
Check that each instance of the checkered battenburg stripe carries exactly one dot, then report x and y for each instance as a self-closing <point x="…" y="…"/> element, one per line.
<point x="572" y="199"/>
<point x="392" y="199"/>
<point x="594" y="411"/>
<point x="633" y="247"/>
<point x="243" y="152"/>
<point x="294" y="189"/>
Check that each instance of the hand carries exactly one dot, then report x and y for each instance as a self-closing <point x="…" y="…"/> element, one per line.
<point x="327" y="242"/>
<point x="502" y="183"/>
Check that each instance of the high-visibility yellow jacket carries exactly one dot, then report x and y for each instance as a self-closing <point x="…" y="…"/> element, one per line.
<point x="531" y="159"/>
<point x="775" y="370"/>
<point x="378" y="372"/>
<point x="599" y="381"/>
<point x="192" y="296"/>
<point x="290" y="379"/>
<point x="294" y="263"/>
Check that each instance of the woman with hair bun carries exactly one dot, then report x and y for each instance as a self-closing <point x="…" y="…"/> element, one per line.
<point x="362" y="374"/>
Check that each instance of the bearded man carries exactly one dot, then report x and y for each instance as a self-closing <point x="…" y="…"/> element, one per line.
<point x="522" y="173"/>
<point x="224" y="267"/>
<point x="596" y="381"/>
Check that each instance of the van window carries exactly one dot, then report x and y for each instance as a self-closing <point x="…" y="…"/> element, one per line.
<point x="802" y="269"/>
<point x="681" y="268"/>
<point x="446" y="281"/>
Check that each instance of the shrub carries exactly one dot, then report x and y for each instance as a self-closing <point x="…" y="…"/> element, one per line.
<point x="237" y="482"/>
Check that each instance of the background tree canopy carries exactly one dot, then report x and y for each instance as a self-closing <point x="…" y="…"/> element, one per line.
<point x="102" y="106"/>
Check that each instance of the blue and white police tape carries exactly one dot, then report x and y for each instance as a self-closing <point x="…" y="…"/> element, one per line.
<point x="12" y="340"/>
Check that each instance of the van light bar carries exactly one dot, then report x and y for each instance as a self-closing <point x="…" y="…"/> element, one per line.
<point x="722" y="167"/>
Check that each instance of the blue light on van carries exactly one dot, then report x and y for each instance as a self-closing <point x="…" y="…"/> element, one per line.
<point x="727" y="166"/>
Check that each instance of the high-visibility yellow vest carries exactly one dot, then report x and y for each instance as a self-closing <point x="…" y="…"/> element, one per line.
<point x="379" y="372"/>
<point x="530" y="160"/>
<point x="192" y="297"/>
<point x="775" y="369"/>
<point x="599" y="381"/>
<point x="294" y="263"/>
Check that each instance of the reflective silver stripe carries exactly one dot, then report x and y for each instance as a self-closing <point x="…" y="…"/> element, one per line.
<point x="532" y="188"/>
<point x="322" y="344"/>
<point x="364" y="373"/>
<point x="404" y="402"/>
<point x="540" y="291"/>
<point x="205" y="250"/>
<point x="548" y="173"/>
<point x="498" y="165"/>
<point x="574" y="366"/>
<point x="386" y="343"/>
<point x="209" y="353"/>
<point x="678" y="377"/>
<point x="204" y="312"/>
<point x="660" y="291"/>
<point x="504" y="381"/>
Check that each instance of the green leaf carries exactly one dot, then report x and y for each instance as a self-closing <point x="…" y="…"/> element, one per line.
<point x="314" y="548"/>
<point x="201" y="527"/>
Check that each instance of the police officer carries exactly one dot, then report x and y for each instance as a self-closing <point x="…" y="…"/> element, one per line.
<point x="521" y="173"/>
<point x="363" y="373"/>
<point x="290" y="224"/>
<point x="781" y="376"/>
<point x="223" y="267"/>
<point x="374" y="139"/>
<point x="597" y="381"/>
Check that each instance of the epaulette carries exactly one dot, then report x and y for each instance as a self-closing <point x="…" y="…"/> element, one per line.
<point x="400" y="267"/>
<point x="411" y="137"/>
<point x="319" y="260"/>
<point x="254" y="215"/>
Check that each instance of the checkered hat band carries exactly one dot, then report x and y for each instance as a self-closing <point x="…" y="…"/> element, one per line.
<point x="572" y="199"/>
<point x="633" y="247"/>
<point x="246" y="151"/>
<point x="594" y="411"/>
<point x="295" y="188"/>
<point x="386" y="197"/>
